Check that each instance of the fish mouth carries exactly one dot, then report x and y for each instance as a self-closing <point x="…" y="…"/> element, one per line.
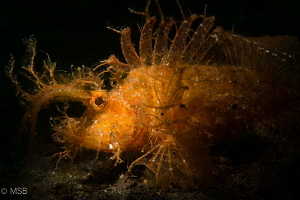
<point x="51" y="86"/>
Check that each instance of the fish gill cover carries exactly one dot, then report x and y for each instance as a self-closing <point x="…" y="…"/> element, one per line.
<point x="184" y="90"/>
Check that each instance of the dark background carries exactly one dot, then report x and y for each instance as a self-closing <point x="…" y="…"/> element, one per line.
<point x="73" y="32"/>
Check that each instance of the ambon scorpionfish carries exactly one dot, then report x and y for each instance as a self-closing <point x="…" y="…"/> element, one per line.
<point x="172" y="100"/>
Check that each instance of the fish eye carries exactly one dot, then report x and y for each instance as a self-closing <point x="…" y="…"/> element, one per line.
<point x="99" y="101"/>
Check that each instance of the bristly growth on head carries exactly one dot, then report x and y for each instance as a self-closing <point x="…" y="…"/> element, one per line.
<point x="183" y="91"/>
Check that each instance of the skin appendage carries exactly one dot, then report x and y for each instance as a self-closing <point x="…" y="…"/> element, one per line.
<point x="179" y="95"/>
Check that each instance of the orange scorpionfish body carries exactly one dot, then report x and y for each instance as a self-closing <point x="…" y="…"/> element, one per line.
<point x="175" y="98"/>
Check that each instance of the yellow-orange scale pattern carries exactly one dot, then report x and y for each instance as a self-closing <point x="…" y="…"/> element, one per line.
<point x="175" y="98"/>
